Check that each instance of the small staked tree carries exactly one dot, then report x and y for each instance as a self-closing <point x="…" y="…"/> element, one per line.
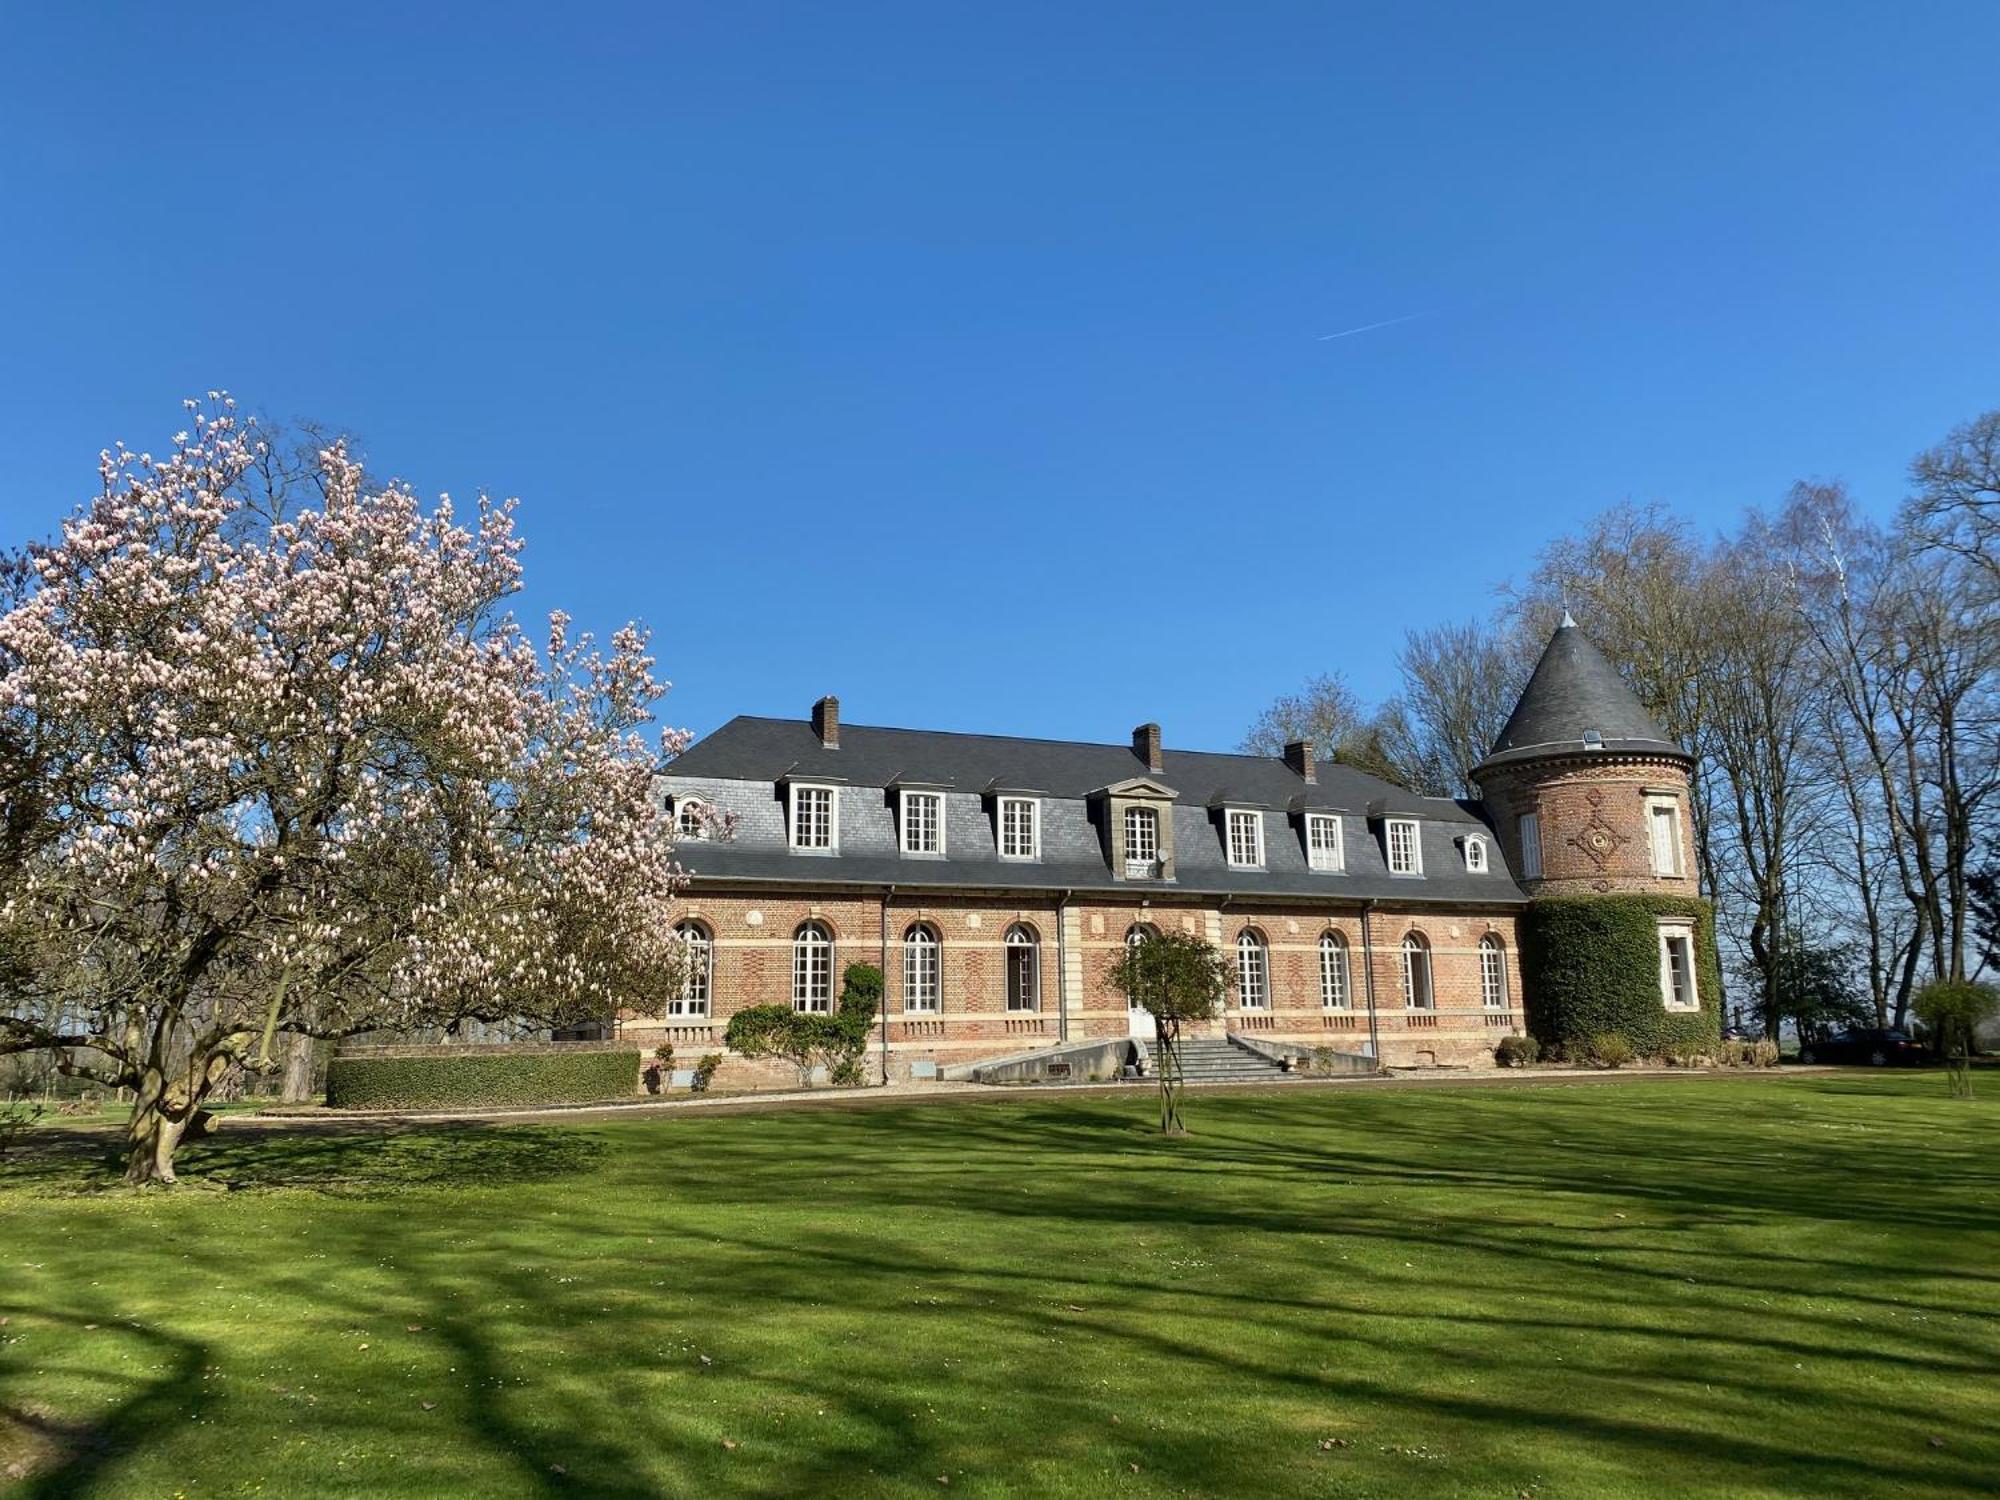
<point x="273" y="769"/>
<point x="1177" y="977"/>
<point x="1952" y="1011"/>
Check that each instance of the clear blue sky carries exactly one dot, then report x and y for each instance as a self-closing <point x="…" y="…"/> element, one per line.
<point x="967" y="360"/>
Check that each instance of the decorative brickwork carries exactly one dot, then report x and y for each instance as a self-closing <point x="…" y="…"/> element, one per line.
<point x="1077" y="943"/>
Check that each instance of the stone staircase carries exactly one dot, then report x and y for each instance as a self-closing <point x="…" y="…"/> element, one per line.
<point x="1211" y="1060"/>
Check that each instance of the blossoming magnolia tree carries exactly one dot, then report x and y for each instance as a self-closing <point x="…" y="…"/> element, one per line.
<point x="267" y="769"/>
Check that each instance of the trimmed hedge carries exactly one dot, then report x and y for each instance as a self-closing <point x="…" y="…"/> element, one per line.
<point x="497" y="1077"/>
<point x="1591" y="966"/>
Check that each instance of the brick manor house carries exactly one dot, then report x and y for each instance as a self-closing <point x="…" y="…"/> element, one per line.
<point x="994" y="880"/>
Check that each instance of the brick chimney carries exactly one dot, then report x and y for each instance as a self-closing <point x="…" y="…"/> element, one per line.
<point x="826" y="721"/>
<point x="1299" y="756"/>
<point x="1146" y="745"/>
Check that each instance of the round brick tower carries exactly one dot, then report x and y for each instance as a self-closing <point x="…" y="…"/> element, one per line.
<point x="1602" y="790"/>
<point x="1589" y="800"/>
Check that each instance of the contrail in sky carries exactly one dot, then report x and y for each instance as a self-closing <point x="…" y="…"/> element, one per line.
<point x="1348" y="333"/>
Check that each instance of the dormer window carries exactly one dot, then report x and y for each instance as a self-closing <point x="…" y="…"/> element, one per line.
<point x="1246" y="838"/>
<point x="1475" y="856"/>
<point x="1325" y="849"/>
<point x="1142" y="843"/>
<point x="1020" y="828"/>
<point x="923" y="822"/>
<point x="1406" y="854"/>
<point x="815" y="822"/>
<point x="691" y="818"/>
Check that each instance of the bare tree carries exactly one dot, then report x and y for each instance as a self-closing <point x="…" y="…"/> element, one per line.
<point x="1956" y="507"/>
<point x="1459" y="684"/>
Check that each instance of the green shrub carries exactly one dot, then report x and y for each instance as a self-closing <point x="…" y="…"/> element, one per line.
<point x="567" y="1076"/>
<point x="1591" y="965"/>
<point x="1762" y="1053"/>
<point x="1517" y="1051"/>
<point x="704" y="1071"/>
<point x="1610" y="1049"/>
<point x="1324" y="1059"/>
<point x="1952" y="1011"/>
<point x="808" y="1041"/>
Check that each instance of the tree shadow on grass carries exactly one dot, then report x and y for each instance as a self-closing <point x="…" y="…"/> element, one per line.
<point x="66" y="1456"/>
<point x="354" y="1161"/>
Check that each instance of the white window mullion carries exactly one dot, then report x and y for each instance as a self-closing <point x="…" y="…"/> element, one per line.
<point x="1324" y="848"/>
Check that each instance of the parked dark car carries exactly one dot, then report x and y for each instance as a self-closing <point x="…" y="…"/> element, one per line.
<point x="1872" y="1045"/>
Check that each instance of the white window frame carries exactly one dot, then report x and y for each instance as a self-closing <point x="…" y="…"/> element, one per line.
<point x="1330" y="859"/>
<point x="1336" y="973"/>
<point x="1492" y="973"/>
<point x="1034" y="828"/>
<point x="1253" y="970"/>
<point x="1147" y="866"/>
<point x="1250" y="821"/>
<point x="1678" y="934"/>
<point x="698" y="984"/>
<point x="1415" y="944"/>
<point x="1023" y="940"/>
<point x="923" y="970"/>
<point x="1475" y="856"/>
<point x="686" y="827"/>
<point x="909" y="798"/>
<point x="1665" y="810"/>
<point x="1529" y="826"/>
<point x="798" y="799"/>
<point x="812" y="968"/>
<point x="1416" y="832"/>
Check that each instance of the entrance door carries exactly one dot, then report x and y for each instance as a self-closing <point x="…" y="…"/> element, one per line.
<point x="1139" y="1022"/>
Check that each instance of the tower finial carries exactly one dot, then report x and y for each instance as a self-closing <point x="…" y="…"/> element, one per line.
<point x="1569" y="621"/>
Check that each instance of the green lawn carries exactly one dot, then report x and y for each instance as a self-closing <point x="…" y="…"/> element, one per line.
<point x="1701" y="1287"/>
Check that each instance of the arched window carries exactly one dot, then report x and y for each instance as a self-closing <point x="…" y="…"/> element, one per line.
<point x="700" y="945"/>
<point x="1492" y="973"/>
<point x="1024" y="968"/>
<point x="1142" y="841"/>
<point x="1253" y="970"/>
<point x="812" y="968"/>
<point x="1417" y="993"/>
<point x="920" y="968"/>
<point x="1475" y="856"/>
<point x="1333" y="989"/>
<point x="691" y="818"/>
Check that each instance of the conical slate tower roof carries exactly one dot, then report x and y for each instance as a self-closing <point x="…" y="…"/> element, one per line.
<point x="1576" y="703"/>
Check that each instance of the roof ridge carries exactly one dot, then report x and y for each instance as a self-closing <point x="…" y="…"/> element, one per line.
<point x="1014" y="739"/>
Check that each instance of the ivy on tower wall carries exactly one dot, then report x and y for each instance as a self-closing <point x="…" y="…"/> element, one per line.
<point x="1591" y="965"/>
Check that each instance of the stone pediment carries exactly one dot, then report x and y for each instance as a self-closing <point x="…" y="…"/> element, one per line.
<point x="1142" y="787"/>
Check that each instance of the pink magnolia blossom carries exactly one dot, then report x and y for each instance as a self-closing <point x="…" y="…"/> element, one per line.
<point x="273" y="768"/>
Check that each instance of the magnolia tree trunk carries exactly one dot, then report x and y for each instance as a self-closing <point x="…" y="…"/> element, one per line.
<point x="299" y="1069"/>
<point x="168" y="1109"/>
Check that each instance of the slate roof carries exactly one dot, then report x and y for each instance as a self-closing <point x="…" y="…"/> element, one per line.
<point x="757" y="749"/>
<point x="1575" y="690"/>
<point x="743" y="766"/>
